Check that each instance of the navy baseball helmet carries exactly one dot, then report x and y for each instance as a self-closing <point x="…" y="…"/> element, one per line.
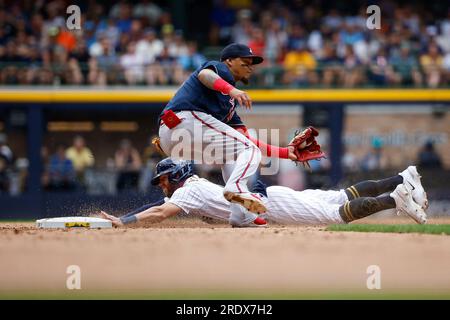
<point x="178" y="170"/>
<point x="237" y="50"/>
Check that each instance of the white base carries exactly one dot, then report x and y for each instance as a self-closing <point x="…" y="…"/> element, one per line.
<point x="73" y="222"/>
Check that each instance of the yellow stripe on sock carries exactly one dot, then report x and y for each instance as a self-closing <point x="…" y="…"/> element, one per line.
<point x="348" y="212"/>
<point x="352" y="192"/>
<point x="356" y="191"/>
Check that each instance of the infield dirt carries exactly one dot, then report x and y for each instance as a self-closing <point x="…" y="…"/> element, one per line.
<point x="190" y="256"/>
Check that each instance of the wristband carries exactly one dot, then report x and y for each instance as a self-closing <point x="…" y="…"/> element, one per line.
<point x="129" y="219"/>
<point x="222" y="86"/>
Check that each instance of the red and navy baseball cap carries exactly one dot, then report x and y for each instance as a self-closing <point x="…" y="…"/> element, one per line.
<point x="237" y="50"/>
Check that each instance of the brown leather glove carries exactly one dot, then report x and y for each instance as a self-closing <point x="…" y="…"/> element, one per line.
<point x="306" y="147"/>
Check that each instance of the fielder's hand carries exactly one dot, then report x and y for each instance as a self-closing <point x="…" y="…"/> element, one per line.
<point x="242" y="98"/>
<point x="291" y="153"/>
<point x="116" y="222"/>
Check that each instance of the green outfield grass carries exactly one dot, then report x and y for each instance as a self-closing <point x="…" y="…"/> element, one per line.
<point x="393" y="228"/>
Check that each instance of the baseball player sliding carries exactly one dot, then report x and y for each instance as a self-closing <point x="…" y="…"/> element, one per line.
<point x="196" y="196"/>
<point x="202" y="114"/>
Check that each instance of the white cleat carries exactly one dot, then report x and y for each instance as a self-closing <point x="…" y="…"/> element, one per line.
<point x="250" y="201"/>
<point x="405" y="203"/>
<point x="411" y="179"/>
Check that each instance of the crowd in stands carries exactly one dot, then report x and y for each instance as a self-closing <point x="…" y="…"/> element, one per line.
<point x="66" y="168"/>
<point x="310" y="43"/>
<point x="316" y="47"/>
<point x="117" y="44"/>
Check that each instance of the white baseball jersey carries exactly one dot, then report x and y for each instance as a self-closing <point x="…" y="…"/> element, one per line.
<point x="284" y="205"/>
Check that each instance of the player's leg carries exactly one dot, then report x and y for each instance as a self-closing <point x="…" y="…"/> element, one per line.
<point x="240" y="216"/>
<point x="240" y="157"/>
<point x="373" y="188"/>
<point x="227" y="170"/>
<point x="365" y="206"/>
<point x="401" y="199"/>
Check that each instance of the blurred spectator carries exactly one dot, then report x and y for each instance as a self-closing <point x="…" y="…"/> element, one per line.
<point x="406" y="67"/>
<point x="276" y="41"/>
<point x="351" y="33"/>
<point x="429" y="158"/>
<point x="121" y="12"/>
<point x="61" y="171"/>
<point x="175" y="43"/>
<point x="381" y="72"/>
<point x="299" y="65"/>
<point x="432" y="65"/>
<point x="163" y="70"/>
<point x="81" y="156"/>
<point x="149" y="47"/>
<point x="4" y="180"/>
<point x="78" y="62"/>
<point x="331" y="65"/>
<point x="132" y="65"/>
<point x="103" y="61"/>
<point x="352" y="66"/>
<point x="6" y="160"/>
<point x="241" y="31"/>
<point x="349" y="161"/>
<point x="374" y="160"/>
<point x="128" y="163"/>
<point x="222" y="19"/>
<point x="19" y="180"/>
<point x="108" y="27"/>
<point x="66" y="39"/>
<point x="257" y="42"/>
<point x="192" y="60"/>
<point x="149" y="10"/>
<point x="5" y="150"/>
<point x="297" y="38"/>
<point x="136" y="31"/>
<point x="333" y="19"/>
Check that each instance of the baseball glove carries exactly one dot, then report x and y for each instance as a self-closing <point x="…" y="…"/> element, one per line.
<point x="157" y="143"/>
<point x="306" y="147"/>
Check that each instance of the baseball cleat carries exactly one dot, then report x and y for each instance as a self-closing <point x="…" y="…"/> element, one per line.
<point x="250" y="201"/>
<point x="255" y="222"/>
<point x="259" y="222"/>
<point x="411" y="179"/>
<point x="405" y="203"/>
